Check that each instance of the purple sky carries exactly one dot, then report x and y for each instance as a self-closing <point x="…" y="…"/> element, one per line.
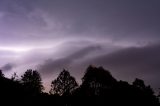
<point x="49" y="35"/>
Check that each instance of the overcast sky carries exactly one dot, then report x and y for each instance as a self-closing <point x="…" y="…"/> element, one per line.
<point x="49" y="35"/>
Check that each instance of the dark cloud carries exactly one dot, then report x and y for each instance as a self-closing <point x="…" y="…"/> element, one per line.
<point x="139" y="57"/>
<point x="129" y="63"/>
<point x="50" y="65"/>
<point x="7" y="67"/>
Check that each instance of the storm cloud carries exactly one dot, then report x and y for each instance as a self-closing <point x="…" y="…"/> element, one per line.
<point x="49" y="66"/>
<point x="7" y="67"/>
<point x="49" y="35"/>
<point x="131" y="63"/>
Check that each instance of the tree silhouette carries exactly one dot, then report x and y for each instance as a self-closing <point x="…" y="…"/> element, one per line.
<point x="1" y="74"/>
<point x="64" y="84"/>
<point x="97" y="80"/>
<point x="31" y="80"/>
<point x="139" y="83"/>
<point x="158" y="94"/>
<point x="14" y="77"/>
<point x="144" y="93"/>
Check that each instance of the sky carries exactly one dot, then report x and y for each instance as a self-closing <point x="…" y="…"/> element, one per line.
<point x="123" y="36"/>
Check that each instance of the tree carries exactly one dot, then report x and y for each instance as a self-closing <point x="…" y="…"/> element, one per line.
<point x="139" y="84"/>
<point x="14" y="77"/>
<point x="145" y="92"/>
<point x="1" y="74"/>
<point x="159" y="94"/>
<point x="64" y="84"/>
<point x="96" y="80"/>
<point x="32" y="82"/>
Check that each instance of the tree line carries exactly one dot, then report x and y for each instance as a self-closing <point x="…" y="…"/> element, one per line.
<point x="98" y="87"/>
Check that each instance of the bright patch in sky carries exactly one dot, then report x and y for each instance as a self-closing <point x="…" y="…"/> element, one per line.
<point x="15" y="49"/>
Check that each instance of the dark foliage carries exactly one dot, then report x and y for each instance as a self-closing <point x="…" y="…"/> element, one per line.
<point x="98" y="88"/>
<point x="64" y="84"/>
<point x="96" y="80"/>
<point x="1" y="74"/>
<point x="31" y="80"/>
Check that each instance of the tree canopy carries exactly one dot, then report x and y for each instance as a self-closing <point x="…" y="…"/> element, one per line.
<point x="1" y="74"/>
<point x="32" y="81"/>
<point x="98" y="88"/>
<point x="64" y="84"/>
